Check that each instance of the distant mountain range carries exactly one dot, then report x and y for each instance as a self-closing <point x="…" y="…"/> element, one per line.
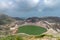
<point x="32" y="19"/>
<point x="49" y="19"/>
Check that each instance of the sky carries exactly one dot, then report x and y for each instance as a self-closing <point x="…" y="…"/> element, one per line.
<point x="30" y="8"/>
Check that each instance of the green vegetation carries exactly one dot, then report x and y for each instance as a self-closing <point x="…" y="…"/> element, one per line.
<point x="31" y="30"/>
<point x="15" y="37"/>
<point x="43" y="35"/>
<point x="29" y="37"/>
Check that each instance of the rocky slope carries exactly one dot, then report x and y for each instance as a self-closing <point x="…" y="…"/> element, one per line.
<point x="46" y="22"/>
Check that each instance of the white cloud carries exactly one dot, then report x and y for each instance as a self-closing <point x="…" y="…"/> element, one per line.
<point x="18" y="3"/>
<point x="6" y="4"/>
<point x="51" y="3"/>
<point x="3" y="5"/>
<point x="10" y="3"/>
<point x="32" y="3"/>
<point x="27" y="4"/>
<point x="17" y="0"/>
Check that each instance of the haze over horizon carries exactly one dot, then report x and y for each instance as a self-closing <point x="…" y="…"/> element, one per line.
<point x="30" y="8"/>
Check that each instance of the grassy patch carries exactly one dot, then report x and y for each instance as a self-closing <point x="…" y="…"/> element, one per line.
<point x="12" y="37"/>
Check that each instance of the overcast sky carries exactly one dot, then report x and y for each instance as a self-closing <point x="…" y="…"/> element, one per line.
<point x="29" y="8"/>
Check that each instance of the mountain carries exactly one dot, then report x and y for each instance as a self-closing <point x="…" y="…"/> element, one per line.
<point x="49" y="19"/>
<point x="17" y="18"/>
<point x="33" y="19"/>
<point x="5" y="19"/>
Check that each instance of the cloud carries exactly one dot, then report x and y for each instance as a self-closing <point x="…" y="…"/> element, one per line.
<point x="48" y="4"/>
<point x="18" y="3"/>
<point x="17" y="0"/>
<point x="6" y="4"/>
<point x="27" y="5"/>
<point x="32" y="3"/>
<point x="51" y="3"/>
